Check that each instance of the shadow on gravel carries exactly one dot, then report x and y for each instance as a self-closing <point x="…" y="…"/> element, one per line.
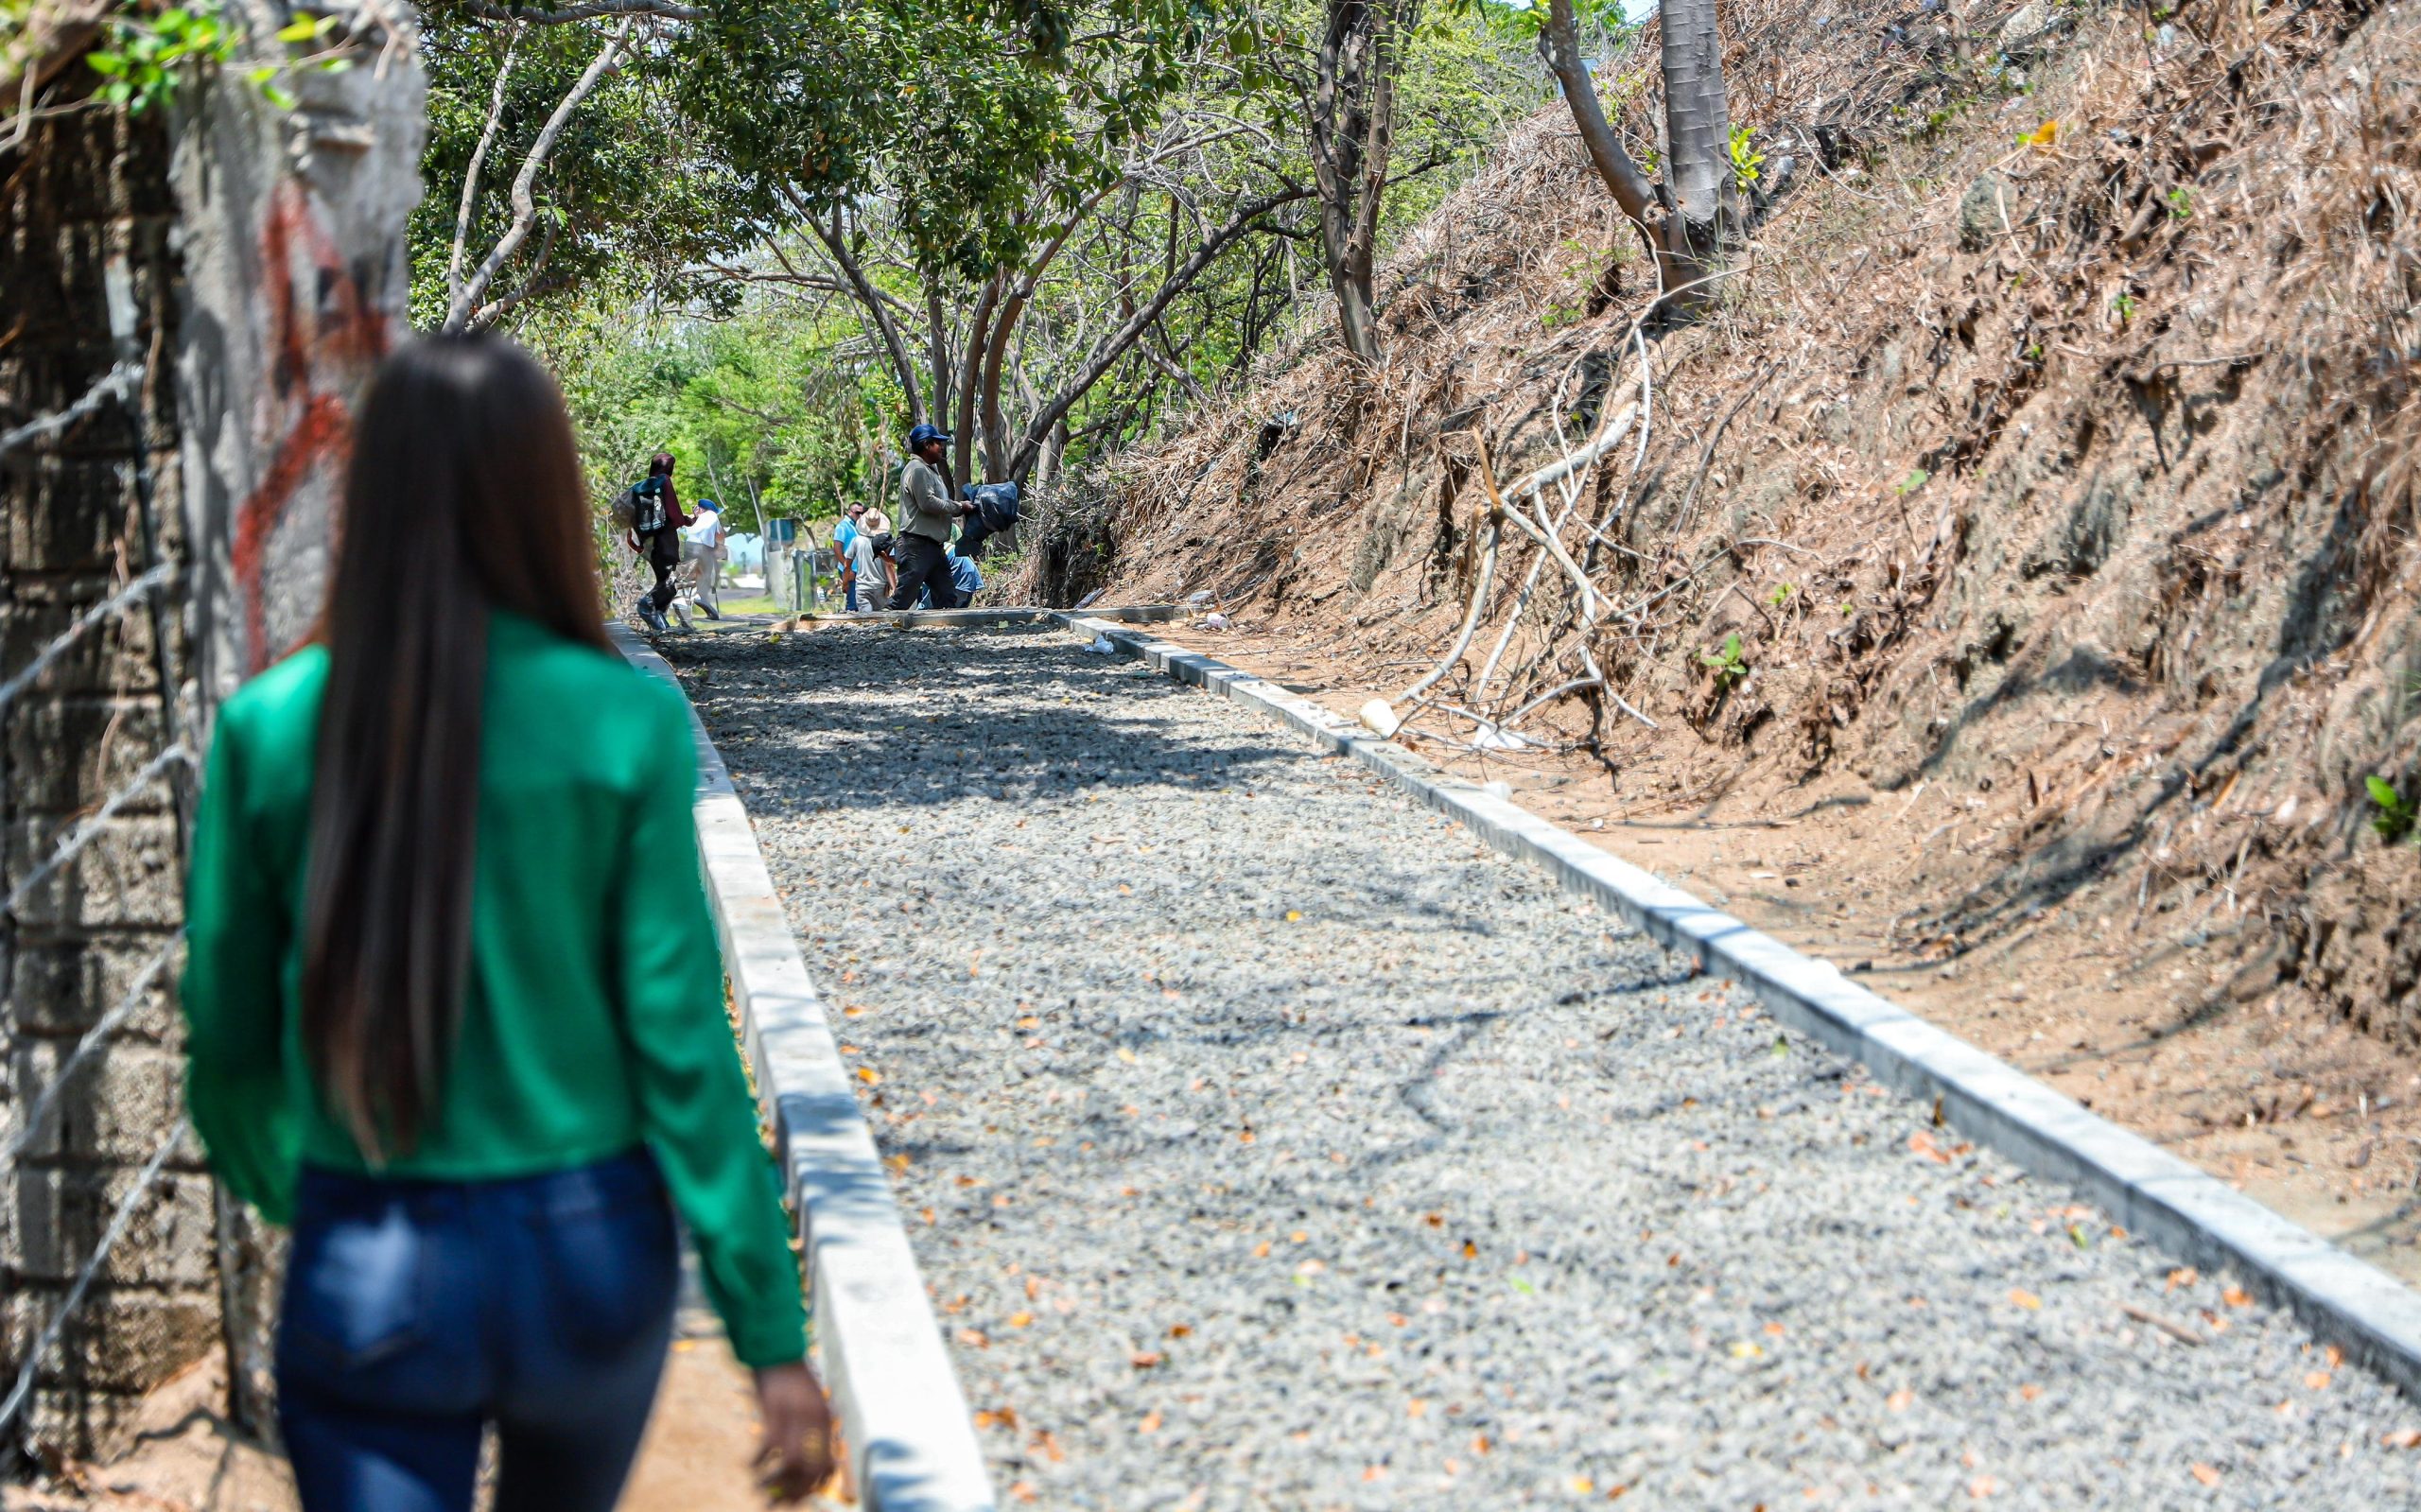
<point x="966" y="745"/>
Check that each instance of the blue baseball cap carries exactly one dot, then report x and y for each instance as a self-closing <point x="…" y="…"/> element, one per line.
<point x="709" y="504"/>
<point x="921" y="433"/>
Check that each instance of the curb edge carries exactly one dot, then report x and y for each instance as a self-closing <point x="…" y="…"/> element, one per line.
<point x="2342" y="1300"/>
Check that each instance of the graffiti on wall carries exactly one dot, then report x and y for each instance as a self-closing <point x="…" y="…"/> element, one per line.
<point x="323" y="339"/>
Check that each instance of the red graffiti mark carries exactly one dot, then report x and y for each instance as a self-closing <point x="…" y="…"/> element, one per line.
<point x="323" y="435"/>
<point x="324" y="332"/>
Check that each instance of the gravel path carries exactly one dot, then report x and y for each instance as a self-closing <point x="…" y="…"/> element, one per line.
<point x="1269" y="1145"/>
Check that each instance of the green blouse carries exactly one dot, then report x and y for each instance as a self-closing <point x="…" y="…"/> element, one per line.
<point x="594" y="1020"/>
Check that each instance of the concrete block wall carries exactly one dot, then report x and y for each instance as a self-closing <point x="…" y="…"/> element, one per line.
<point x="88" y="212"/>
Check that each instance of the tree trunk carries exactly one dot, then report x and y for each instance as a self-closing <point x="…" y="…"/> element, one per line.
<point x="1351" y="117"/>
<point x="1698" y="127"/>
<point x="1559" y="44"/>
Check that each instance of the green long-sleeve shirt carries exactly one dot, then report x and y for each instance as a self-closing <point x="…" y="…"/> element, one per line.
<point x="593" y="1022"/>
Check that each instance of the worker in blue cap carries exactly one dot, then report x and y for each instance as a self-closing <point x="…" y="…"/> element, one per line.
<point x="928" y="509"/>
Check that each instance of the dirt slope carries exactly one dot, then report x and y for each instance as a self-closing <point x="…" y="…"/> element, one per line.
<point x="2051" y="458"/>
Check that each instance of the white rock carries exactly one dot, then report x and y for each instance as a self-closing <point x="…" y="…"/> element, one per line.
<point x="1380" y="715"/>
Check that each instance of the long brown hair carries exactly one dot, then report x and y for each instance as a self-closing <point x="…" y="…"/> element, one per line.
<point x="464" y="494"/>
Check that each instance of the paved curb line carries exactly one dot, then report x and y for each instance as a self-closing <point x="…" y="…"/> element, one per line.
<point x="903" y="1411"/>
<point x="978" y="618"/>
<point x="2344" y="1301"/>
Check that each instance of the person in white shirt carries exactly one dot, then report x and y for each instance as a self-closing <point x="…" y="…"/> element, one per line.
<point x="702" y="552"/>
<point x="869" y="556"/>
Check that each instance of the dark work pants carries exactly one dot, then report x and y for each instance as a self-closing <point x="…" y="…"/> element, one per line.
<point x="924" y="565"/>
<point x="663" y="554"/>
<point x="418" y="1311"/>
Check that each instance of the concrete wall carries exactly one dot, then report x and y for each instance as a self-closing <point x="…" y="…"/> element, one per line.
<point x="257" y="264"/>
<point x="90" y="216"/>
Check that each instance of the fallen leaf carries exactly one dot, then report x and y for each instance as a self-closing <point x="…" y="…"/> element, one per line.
<point x="1582" y="1485"/>
<point x="2029" y="1391"/>
<point x="1261" y="1251"/>
<point x="1299" y="1237"/>
<point x="1416" y="1408"/>
<point x="2409" y="1438"/>
<point x="2336" y="1357"/>
<point x="1025" y="1491"/>
<point x="973" y="1338"/>
<point x="1774" y="1328"/>
<point x="869" y="1075"/>
<point x="2317" y="1380"/>
<point x="1151" y="1423"/>
<point x="1021" y="1319"/>
<point x="1743" y="1350"/>
<point x="1126" y="1055"/>
<point x="2238" y="1296"/>
<point x="1982" y="1487"/>
<point x="1144" y="1358"/>
<point x="1178" y="1330"/>
<point x="1292" y="914"/>
<point x="2205" y="1474"/>
<point x="1901" y="1401"/>
<point x="1374" y="1472"/>
<point x="1470" y="1251"/>
<point x="2026" y="1299"/>
<point x="2187" y="1276"/>
<point x="1479" y="1443"/>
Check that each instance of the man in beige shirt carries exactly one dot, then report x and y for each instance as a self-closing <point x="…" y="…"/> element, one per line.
<point x="926" y="512"/>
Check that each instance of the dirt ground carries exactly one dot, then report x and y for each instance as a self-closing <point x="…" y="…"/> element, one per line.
<point x="2178" y="1036"/>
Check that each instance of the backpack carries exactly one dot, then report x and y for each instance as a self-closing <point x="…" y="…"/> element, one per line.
<point x="996" y="505"/>
<point x="995" y="510"/>
<point x="641" y="510"/>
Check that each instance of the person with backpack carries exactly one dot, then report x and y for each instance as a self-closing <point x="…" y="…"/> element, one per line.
<point x="653" y="522"/>
<point x="453" y="1003"/>
<point x="926" y="512"/>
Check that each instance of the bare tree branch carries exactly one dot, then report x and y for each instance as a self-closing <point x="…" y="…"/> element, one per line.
<point x="525" y="206"/>
<point x="871" y="300"/>
<point x="1114" y="346"/>
<point x="535" y="282"/>
<point x="478" y="160"/>
<point x="586" y="11"/>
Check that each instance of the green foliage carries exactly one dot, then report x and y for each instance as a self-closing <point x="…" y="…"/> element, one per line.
<point x="2124" y="303"/>
<point x="1917" y="478"/>
<point x="769" y="413"/>
<point x="1728" y="664"/>
<point x="1747" y="162"/>
<point x="2394" y="817"/>
<point x="145" y="55"/>
<point x="1781" y="594"/>
<point x="2181" y="204"/>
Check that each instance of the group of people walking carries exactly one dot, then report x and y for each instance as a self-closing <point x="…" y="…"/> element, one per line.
<point x="914" y="567"/>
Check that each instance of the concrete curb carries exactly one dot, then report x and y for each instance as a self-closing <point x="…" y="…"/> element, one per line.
<point x="2344" y="1301"/>
<point x="910" y="1439"/>
<point x="978" y="618"/>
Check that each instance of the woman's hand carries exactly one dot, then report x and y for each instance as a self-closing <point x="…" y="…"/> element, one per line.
<point x="796" y="1459"/>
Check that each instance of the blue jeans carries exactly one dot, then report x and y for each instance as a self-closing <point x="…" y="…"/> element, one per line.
<point x="419" y="1311"/>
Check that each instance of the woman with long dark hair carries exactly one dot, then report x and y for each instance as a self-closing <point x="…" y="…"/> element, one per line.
<point x="455" y="1009"/>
